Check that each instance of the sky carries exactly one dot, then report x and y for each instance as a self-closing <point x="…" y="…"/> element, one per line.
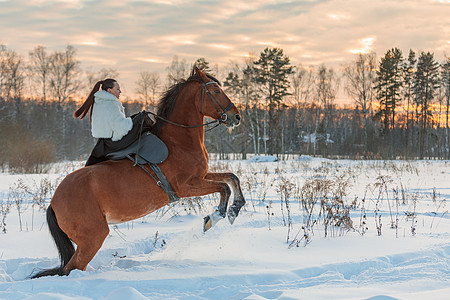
<point x="132" y="36"/>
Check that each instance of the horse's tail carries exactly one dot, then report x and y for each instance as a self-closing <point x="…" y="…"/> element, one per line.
<point x="63" y="244"/>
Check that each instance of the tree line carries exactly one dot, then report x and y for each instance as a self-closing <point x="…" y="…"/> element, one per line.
<point x="399" y="105"/>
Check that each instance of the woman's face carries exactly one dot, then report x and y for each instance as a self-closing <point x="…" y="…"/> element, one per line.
<point x="115" y="90"/>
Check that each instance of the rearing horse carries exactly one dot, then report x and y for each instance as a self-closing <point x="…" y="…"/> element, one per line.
<point x="89" y="199"/>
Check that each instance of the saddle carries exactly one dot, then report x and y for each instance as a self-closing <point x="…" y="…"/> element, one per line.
<point x="148" y="150"/>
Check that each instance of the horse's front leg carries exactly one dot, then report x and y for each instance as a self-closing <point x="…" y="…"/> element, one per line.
<point x="238" y="201"/>
<point x="221" y="210"/>
<point x="201" y="187"/>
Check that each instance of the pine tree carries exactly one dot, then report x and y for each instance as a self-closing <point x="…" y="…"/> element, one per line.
<point x="388" y="84"/>
<point x="273" y="69"/>
<point x="445" y="77"/>
<point x="426" y="84"/>
<point x="203" y="65"/>
<point x="409" y="69"/>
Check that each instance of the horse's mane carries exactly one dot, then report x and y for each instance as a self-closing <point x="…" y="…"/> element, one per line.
<point x="168" y="99"/>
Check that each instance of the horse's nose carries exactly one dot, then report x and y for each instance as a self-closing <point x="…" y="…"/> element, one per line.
<point x="238" y="118"/>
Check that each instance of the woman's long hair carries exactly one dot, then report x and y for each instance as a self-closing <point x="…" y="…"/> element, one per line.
<point x="89" y="103"/>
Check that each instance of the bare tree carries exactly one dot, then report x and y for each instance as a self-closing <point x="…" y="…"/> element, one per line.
<point x="177" y="70"/>
<point x="64" y="74"/>
<point x="327" y="84"/>
<point x="11" y="73"/>
<point x="40" y="68"/>
<point x="148" y="86"/>
<point x="302" y="86"/>
<point x="252" y="81"/>
<point x="360" y="78"/>
<point x="104" y="73"/>
<point x="302" y="82"/>
<point x="155" y="87"/>
<point x="240" y="84"/>
<point x="3" y="70"/>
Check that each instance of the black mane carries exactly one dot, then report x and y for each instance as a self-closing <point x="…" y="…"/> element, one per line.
<point x="167" y="101"/>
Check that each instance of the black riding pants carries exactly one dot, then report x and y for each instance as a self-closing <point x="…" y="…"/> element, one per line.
<point x="105" y="146"/>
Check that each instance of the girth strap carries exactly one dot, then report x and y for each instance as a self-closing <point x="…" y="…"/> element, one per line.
<point x="161" y="180"/>
<point x="164" y="183"/>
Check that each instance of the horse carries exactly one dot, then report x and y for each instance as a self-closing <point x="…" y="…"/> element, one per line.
<point x="91" y="198"/>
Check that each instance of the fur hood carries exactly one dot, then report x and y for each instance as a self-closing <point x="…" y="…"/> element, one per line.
<point x="108" y="117"/>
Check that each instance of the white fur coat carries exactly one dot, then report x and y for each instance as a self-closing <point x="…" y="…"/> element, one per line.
<point x="108" y="117"/>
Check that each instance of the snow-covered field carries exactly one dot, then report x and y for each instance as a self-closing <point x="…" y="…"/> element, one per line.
<point x="311" y="229"/>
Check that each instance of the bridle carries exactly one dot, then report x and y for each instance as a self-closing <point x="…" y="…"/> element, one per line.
<point x="223" y="116"/>
<point x="222" y="111"/>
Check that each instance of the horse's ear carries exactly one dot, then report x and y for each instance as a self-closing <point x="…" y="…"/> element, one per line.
<point x="201" y="74"/>
<point x="198" y="71"/>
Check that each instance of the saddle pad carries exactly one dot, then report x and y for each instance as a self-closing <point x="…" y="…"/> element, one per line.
<point x="151" y="150"/>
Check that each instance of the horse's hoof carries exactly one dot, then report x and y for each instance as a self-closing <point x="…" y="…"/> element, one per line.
<point x="231" y="216"/>
<point x="207" y="223"/>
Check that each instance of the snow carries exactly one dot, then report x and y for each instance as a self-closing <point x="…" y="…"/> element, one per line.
<point x="165" y="255"/>
<point x="261" y="158"/>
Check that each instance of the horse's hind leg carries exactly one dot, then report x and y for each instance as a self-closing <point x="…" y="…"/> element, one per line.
<point x="88" y="239"/>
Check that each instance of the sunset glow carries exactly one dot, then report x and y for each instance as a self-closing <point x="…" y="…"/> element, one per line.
<point x="310" y="32"/>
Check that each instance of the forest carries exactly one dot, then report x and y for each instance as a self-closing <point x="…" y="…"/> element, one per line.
<point x="398" y="106"/>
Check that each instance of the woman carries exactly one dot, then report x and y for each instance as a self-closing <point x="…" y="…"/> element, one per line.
<point x="110" y="126"/>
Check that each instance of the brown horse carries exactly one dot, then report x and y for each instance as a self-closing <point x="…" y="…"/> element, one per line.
<point x="89" y="199"/>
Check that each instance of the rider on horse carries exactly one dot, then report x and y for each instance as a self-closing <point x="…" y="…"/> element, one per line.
<point x="110" y="126"/>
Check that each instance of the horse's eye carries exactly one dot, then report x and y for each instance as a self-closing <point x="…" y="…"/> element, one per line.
<point x="217" y="91"/>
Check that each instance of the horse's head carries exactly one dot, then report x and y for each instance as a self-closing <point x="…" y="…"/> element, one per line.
<point x="215" y="103"/>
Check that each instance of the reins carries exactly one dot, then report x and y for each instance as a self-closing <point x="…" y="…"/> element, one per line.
<point x="181" y="125"/>
<point x="223" y="116"/>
